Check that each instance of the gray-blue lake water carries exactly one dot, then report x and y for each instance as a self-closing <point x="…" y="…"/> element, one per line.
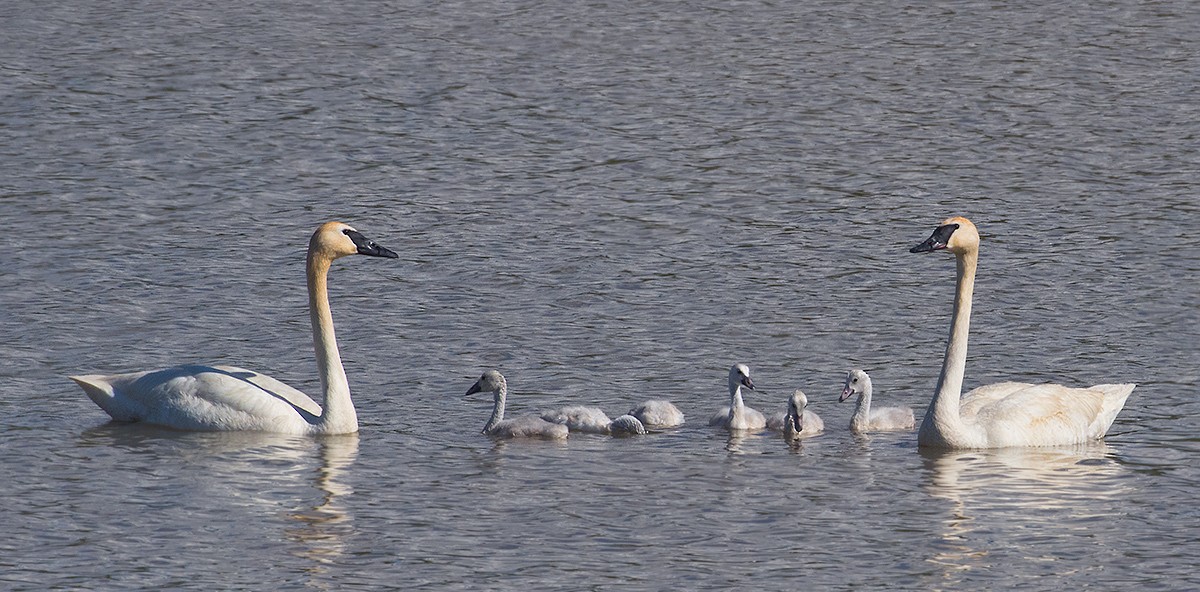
<point x="607" y="201"/>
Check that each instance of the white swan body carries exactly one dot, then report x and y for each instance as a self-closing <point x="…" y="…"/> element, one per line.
<point x="593" y="420"/>
<point x="224" y="398"/>
<point x="1009" y="413"/>
<point x="657" y="413"/>
<point x="796" y="421"/>
<point x="873" y="419"/>
<point x="522" y="426"/>
<point x="738" y="416"/>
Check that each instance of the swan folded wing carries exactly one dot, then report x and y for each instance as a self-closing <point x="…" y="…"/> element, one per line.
<point x="276" y="388"/>
<point x="579" y="418"/>
<point x="749" y="419"/>
<point x="1044" y="415"/>
<point x="216" y="398"/>
<point x="658" y="413"/>
<point x="892" y="418"/>
<point x="777" y="420"/>
<point x="529" y="426"/>
<point x="812" y="423"/>
<point x="984" y="396"/>
<point x="720" y="418"/>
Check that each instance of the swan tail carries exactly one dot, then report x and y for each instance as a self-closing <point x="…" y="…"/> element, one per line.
<point x="1114" y="400"/>
<point x="101" y="392"/>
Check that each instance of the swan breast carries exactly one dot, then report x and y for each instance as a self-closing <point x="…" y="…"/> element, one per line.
<point x="748" y="419"/>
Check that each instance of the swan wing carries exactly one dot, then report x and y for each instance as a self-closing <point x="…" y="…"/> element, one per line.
<point x="1043" y="415"/>
<point x="892" y="418"/>
<point x="750" y="419"/>
<point x="777" y="421"/>
<point x="813" y="423"/>
<point x="579" y="418"/>
<point x="753" y="419"/>
<point x="202" y="398"/>
<point x="658" y="413"/>
<point x="987" y="395"/>
<point x="720" y="418"/>
<point x="529" y="426"/>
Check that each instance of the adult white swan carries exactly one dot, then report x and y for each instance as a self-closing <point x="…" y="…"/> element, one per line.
<point x="1007" y="413"/>
<point x="737" y="416"/>
<point x="217" y="398"/>
<point x="522" y="426"/>
<point x="872" y="419"/>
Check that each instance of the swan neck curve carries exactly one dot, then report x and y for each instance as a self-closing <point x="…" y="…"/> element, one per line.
<point x="943" y="417"/>
<point x="499" y="396"/>
<point x="337" y="409"/>
<point x="862" y="408"/>
<point x="736" y="404"/>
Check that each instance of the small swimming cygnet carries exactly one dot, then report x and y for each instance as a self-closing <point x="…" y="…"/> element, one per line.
<point x="737" y="416"/>
<point x="658" y="413"/>
<point x="593" y="420"/>
<point x="522" y="426"/>
<point x="866" y="419"/>
<point x="797" y="421"/>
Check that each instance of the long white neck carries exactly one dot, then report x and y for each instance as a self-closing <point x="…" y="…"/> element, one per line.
<point x="736" y="405"/>
<point x="499" y="397"/>
<point x="337" y="410"/>
<point x="862" y="408"/>
<point x="942" y="421"/>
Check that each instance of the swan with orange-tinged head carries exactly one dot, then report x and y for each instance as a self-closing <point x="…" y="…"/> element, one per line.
<point x="1007" y="413"/>
<point x="226" y="398"/>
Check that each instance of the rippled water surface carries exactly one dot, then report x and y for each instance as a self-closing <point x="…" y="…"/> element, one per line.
<point x="607" y="201"/>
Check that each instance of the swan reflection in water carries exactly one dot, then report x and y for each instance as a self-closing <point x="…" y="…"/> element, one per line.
<point x="238" y="484"/>
<point x="998" y="497"/>
<point x="321" y="528"/>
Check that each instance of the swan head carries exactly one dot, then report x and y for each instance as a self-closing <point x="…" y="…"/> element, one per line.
<point x="857" y="382"/>
<point x="739" y="375"/>
<point x="795" y="412"/>
<point x="956" y="234"/>
<point x="336" y="239"/>
<point x="491" y="382"/>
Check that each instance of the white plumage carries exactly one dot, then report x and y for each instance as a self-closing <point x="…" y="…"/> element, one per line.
<point x="872" y="419"/>
<point x="1008" y="413"/>
<point x="737" y="416"/>
<point x="657" y="413"/>
<point x="593" y="420"/>
<point x="197" y="397"/>
<point x="522" y="426"/>
<point x="796" y="421"/>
